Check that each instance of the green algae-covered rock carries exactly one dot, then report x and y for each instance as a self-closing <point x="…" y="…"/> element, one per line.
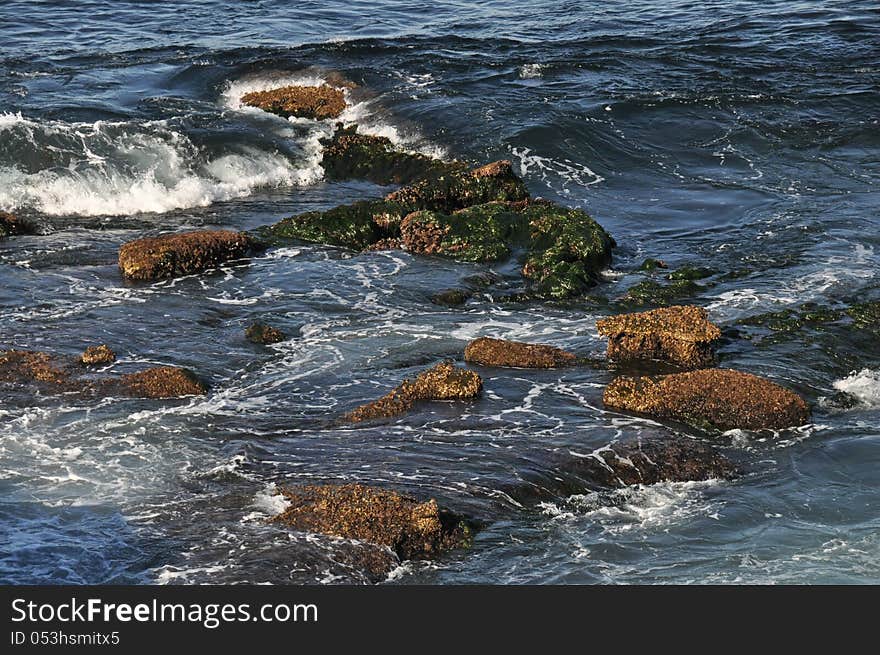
<point x="348" y="226"/>
<point x="352" y="156"/>
<point x="566" y="250"/>
<point x="651" y="292"/>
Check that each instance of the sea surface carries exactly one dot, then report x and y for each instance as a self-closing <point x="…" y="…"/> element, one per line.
<point x="739" y="136"/>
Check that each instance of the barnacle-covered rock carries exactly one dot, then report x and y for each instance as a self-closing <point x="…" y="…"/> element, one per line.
<point x="317" y="102"/>
<point x="160" y="382"/>
<point x="710" y="398"/>
<point x="96" y="355"/>
<point x="445" y="381"/>
<point x="408" y="527"/>
<point x="500" y="352"/>
<point x="680" y="335"/>
<point x="172" y="255"/>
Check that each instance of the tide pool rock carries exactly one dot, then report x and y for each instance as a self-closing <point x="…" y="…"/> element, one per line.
<point x="710" y="398"/>
<point x="173" y="255"/>
<point x="349" y="155"/>
<point x="410" y="528"/>
<point x="445" y="381"/>
<point x="680" y="335"/>
<point x="316" y="102"/>
<point x="487" y="351"/>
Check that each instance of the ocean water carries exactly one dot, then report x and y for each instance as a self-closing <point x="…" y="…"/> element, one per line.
<point x="742" y="136"/>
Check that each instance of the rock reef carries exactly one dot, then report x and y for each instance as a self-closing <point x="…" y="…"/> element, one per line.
<point x="408" y="527"/>
<point x="172" y="255"/>
<point x="487" y="351"/>
<point x="679" y="335"/>
<point x="316" y="102"/>
<point x="445" y="381"/>
<point x="710" y="398"/>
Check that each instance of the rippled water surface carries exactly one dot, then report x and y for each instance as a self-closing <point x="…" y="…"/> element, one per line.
<point x="742" y="136"/>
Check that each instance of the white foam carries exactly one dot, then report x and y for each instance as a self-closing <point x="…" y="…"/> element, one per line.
<point x="531" y="71"/>
<point x="863" y="385"/>
<point x="107" y="168"/>
<point x="559" y="175"/>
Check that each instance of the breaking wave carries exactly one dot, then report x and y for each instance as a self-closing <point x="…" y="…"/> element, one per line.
<point x="863" y="385"/>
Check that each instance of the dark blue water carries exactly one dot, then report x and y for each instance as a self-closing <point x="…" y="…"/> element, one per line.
<point x="744" y="136"/>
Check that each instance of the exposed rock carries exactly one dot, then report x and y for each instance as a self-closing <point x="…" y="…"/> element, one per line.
<point x="567" y="250"/>
<point x="690" y="273"/>
<point x="499" y="352"/>
<point x="317" y="102"/>
<point x="261" y="333"/>
<point x="646" y="461"/>
<point x="95" y="355"/>
<point x="161" y="382"/>
<point x="445" y="381"/>
<point x="172" y="255"/>
<point x="349" y="155"/>
<point x="360" y="225"/>
<point x="411" y="529"/>
<point x="11" y="225"/>
<point x="451" y="297"/>
<point x="710" y="398"/>
<point x="680" y="335"/>
<point x="56" y="374"/>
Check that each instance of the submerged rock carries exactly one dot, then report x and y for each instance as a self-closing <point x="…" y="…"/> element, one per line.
<point x="11" y="225"/>
<point x="451" y="297"/>
<point x="500" y="352"/>
<point x="409" y="528"/>
<point x="317" y="102"/>
<point x="172" y="255"/>
<point x="645" y="461"/>
<point x="652" y="292"/>
<point x="260" y="333"/>
<point x="56" y="374"/>
<point x="710" y="398"/>
<point x="680" y="335"/>
<point x="95" y="355"/>
<point x="445" y="381"/>
<point x="348" y="155"/>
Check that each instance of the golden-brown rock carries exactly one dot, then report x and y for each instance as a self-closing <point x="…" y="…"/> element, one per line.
<point x="710" y="398"/>
<point x="171" y="255"/>
<point x="500" y="352"/>
<point x="162" y="382"/>
<point x="680" y="335"/>
<point x="24" y="366"/>
<point x="261" y="333"/>
<point x="411" y="529"/>
<point x="445" y="381"/>
<point x="95" y="355"/>
<point x="317" y="102"/>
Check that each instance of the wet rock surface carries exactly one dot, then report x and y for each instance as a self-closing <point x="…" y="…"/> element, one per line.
<point x="263" y="334"/>
<point x="445" y="381"/>
<point x="679" y="335"/>
<point x="710" y="398"/>
<point x="172" y="255"/>
<point x="97" y="355"/>
<point x="409" y="528"/>
<point x="11" y="225"/>
<point x="317" y="102"/>
<point x="487" y="351"/>
<point x="159" y="382"/>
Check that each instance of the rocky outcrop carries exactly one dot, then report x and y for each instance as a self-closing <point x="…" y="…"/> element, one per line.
<point x="445" y="381"/>
<point x="316" y="102"/>
<point x="679" y="335"/>
<point x="500" y="352"/>
<point x="710" y="398"/>
<point x="618" y="465"/>
<point x="57" y="374"/>
<point x="408" y="527"/>
<point x="11" y="225"/>
<point x="349" y="155"/>
<point x="260" y="333"/>
<point x="97" y="355"/>
<point x="172" y="255"/>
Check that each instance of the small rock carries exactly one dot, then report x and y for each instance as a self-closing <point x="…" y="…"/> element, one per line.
<point x="261" y="333"/>
<point x="680" y="335"/>
<point x="409" y="528"/>
<point x="451" y="297"/>
<point x="445" y="381"/>
<point x="95" y="355"/>
<point x="500" y="352"/>
<point x="316" y="102"/>
<point x="172" y="255"/>
<point x="162" y="382"/>
<point x="710" y="398"/>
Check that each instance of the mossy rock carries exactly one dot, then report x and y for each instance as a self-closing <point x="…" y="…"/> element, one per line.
<point x="690" y="273"/>
<point x="651" y="292"/>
